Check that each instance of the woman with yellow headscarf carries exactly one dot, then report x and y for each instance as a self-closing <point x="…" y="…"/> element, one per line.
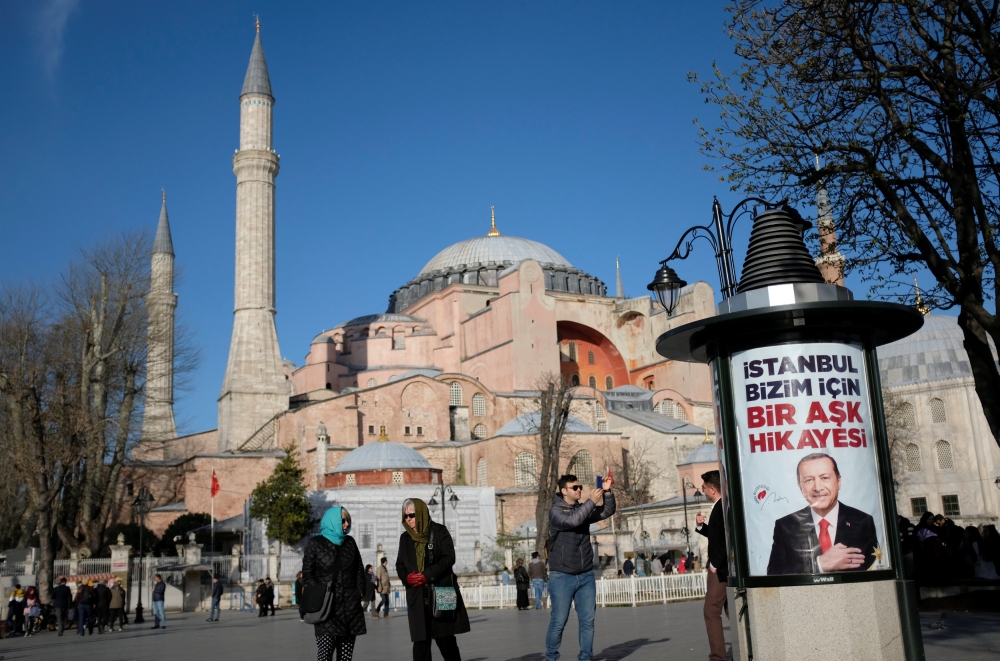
<point x="425" y="560"/>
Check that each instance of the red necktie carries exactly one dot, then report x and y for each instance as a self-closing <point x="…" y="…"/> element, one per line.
<point x="824" y="536"/>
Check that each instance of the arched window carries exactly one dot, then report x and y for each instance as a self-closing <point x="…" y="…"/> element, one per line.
<point x="346" y="346"/>
<point x="479" y="431"/>
<point x="590" y="357"/>
<point x="583" y="467"/>
<point x="329" y="386"/>
<point x="525" y="470"/>
<point x="906" y="416"/>
<point x="478" y="405"/>
<point x="945" y="461"/>
<point x="482" y="479"/>
<point x="372" y="383"/>
<point x="609" y="382"/>
<point x="575" y="380"/>
<point x="602" y="425"/>
<point x="937" y="411"/>
<point x="600" y="413"/>
<point x="398" y="339"/>
<point x="913" y="464"/>
<point x="572" y="352"/>
<point x="456" y="393"/>
<point x="671" y="409"/>
<point x="592" y="382"/>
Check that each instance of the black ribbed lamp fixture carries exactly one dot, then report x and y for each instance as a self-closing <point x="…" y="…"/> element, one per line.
<point x="666" y="285"/>
<point x="777" y="254"/>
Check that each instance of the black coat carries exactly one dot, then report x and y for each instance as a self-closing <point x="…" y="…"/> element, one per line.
<point x="369" y="587"/>
<point x="715" y="530"/>
<point x="521" y="578"/>
<point x="418" y="599"/>
<point x="796" y="545"/>
<point x="572" y="551"/>
<point x="102" y="594"/>
<point x="62" y="596"/>
<point x="348" y="584"/>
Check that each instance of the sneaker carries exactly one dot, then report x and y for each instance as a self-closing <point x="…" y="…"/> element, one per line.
<point x="156" y="627"/>
<point x="388" y="617"/>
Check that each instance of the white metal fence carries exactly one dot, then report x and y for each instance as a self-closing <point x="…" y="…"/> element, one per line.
<point x="634" y="591"/>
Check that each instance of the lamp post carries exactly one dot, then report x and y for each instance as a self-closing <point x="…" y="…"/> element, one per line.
<point x="140" y="506"/>
<point x="787" y="351"/>
<point x="446" y="494"/>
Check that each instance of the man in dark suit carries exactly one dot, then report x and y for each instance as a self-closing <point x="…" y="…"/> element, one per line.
<point x="718" y="565"/>
<point x="826" y="536"/>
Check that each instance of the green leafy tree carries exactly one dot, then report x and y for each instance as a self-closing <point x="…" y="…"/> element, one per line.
<point x="280" y="500"/>
<point x="180" y="527"/>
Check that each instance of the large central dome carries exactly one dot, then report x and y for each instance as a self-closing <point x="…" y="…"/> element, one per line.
<point x="497" y="249"/>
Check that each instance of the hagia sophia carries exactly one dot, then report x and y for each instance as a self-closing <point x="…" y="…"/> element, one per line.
<point x="442" y="387"/>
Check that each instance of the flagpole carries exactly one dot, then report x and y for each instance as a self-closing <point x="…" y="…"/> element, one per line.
<point x="212" y="491"/>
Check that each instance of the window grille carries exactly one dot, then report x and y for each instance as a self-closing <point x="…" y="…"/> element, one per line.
<point x="609" y="382"/>
<point x="456" y="393"/>
<point x="602" y="425"/>
<point x="937" y="411"/>
<point x="918" y="505"/>
<point x="590" y="357"/>
<point x="572" y="352"/>
<point x="575" y="380"/>
<point x="420" y="431"/>
<point x="525" y="470"/>
<point x="406" y="430"/>
<point x="945" y="461"/>
<point x="350" y="480"/>
<point x="478" y="405"/>
<point x="482" y="479"/>
<point x="913" y="458"/>
<point x="371" y="429"/>
<point x="397" y="477"/>
<point x="479" y="431"/>
<point x="950" y="505"/>
<point x="671" y="409"/>
<point x="601" y="414"/>
<point x="592" y="382"/>
<point x="372" y="383"/>
<point x="398" y="340"/>
<point x="366" y="535"/>
<point x="906" y="415"/>
<point x="583" y="467"/>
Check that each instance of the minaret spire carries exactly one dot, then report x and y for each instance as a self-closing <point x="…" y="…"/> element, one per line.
<point x="619" y="289"/>
<point x="161" y="303"/>
<point x="255" y="387"/>
<point x="830" y="261"/>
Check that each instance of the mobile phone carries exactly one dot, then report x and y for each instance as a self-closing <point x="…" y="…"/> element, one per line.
<point x="600" y="482"/>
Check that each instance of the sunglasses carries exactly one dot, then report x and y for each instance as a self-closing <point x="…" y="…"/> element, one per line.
<point x="412" y="515"/>
<point x="578" y="487"/>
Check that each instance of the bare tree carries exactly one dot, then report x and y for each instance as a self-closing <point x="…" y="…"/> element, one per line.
<point x="900" y="429"/>
<point x="636" y="472"/>
<point x="554" y="401"/>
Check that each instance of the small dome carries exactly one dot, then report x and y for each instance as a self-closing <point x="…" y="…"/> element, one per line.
<point x="528" y="424"/>
<point x="388" y="317"/>
<point x="934" y="353"/>
<point x="382" y="455"/>
<point x="706" y="453"/>
<point x="497" y="249"/>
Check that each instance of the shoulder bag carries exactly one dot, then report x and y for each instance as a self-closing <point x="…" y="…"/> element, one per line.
<point x="444" y="597"/>
<point x="317" y="598"/>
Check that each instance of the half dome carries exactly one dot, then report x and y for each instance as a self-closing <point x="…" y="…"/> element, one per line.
<point x="497" y="249"/>
<point x="382" y="455"/>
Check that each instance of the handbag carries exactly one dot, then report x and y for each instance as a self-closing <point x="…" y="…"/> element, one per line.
<point x="444" y="596"/>
<point x="317" y="598"/>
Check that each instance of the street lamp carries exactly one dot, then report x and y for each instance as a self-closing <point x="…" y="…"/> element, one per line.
<point x="446" y="494"/>
<point x="140" y="506"/>
<point x="666" y="284"/>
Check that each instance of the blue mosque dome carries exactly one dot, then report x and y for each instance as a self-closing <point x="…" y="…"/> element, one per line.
<point x="382" y="455"/>
<point x="499" y="249"/>
<point x="934" y="353"/>
<point x="706" y="453"/>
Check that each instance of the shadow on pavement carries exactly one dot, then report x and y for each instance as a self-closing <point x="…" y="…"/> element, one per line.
<point x="535" y="656"/>
<point x="622" y="650"/>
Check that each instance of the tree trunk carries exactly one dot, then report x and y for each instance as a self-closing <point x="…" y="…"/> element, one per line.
<point x="984" y="369"/>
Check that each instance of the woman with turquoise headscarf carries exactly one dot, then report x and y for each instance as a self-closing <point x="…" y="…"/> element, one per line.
<point x="332" y="557"/>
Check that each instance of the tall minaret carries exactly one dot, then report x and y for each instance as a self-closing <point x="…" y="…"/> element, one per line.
<point x="830" y="261"/>
<point x="255" y="387"/>
<point x="158" y="420"/>
<point x="619" y="289"/>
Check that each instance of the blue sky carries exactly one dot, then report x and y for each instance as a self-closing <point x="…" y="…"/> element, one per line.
<point x="398" y="124"/>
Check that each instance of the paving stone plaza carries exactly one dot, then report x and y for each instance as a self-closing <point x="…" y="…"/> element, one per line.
<point x="673" y="632"/>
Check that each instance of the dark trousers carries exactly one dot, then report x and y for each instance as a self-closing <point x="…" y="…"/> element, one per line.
<point x="60" y="618"/>
<point x="116" y="615"/>
<point x="715" y="602"/>
<point x="448" y="647"/>
<point x="84" y="618"/>
<point x="101" y="614"/>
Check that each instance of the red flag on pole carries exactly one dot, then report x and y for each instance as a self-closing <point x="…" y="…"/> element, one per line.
<point x="215" y="484"/>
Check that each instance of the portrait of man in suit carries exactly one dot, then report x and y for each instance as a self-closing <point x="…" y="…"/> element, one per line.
<point x="827" y="535"/>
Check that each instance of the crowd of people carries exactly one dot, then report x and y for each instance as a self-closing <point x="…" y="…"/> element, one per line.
<point x="936" y="550"/>
<point x="95" y="604"/>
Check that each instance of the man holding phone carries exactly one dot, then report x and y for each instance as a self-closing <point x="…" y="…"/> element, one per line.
<point x="571" y="559"/>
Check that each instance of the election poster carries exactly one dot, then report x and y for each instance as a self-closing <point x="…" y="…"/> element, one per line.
<point x="811" y="492"/>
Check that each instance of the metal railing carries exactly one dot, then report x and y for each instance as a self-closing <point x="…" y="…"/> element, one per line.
<point x="635" y="591"/>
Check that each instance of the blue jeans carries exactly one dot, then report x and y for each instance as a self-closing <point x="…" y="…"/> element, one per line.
<point x="384" y="603"/>
<point x="84" y="618"/>
<point x="159" y="614"/>
<point x="539" y="585"/>
<point x="216" y="608"/>
<point x="566" y="589"/>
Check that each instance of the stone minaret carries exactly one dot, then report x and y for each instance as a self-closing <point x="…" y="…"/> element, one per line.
<point x="255" y="387"/>
<point x="830" y="261"/>
<point x="619" y="289"/>
<point x="158" y="420"/>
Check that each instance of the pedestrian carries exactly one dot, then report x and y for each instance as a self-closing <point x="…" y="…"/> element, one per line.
<point x="297" y="592"/>
<point x="260" y="596"/>
<point x="368" y="598"/>
<point x="213" y="615"/>
<point x="523" y="583"/>
<point x="383" y="586"/>
<point x="640" y="566"/>
<point x="505" y="576"/>
<point x="84" y="609"/>
<point x="628" y="567"/>
<point x="682" y="565"/>
<point x="424" y="564"/>
<point x="102" y="605"/>
<point x="571" y="560"/>
<point x="116" y="608"/>
<point x="270" y="593"/>
<point x="15" y="611"/>
<point x="647" y="566"/>
<point x="32" y="610"/>
<point x="62" y="601"/>
<point x="159" y="609"/>
<point x="718" y="568"/>
<point x="332" y="561"/>
<point x="657" y="566"/>
<point x="536" y="570"/>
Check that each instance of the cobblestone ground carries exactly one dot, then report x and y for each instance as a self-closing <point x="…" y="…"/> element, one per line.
<point x="673" y="631"/>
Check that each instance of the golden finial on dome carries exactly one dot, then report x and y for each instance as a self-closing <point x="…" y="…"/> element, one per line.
<point x="493" y="223"/>
<point x="707" y="439"/>
<point x="921" y="308"/>
<point x="381" y="433"/>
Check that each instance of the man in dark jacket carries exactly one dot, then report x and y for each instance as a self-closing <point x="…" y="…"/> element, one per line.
<point x="270" y="593"/>
<point x="297" y="590"/>
<point x="718" y="565"/>
<point x="159" y="605"/>
<point x="62" y="600"/>
<point x="213" y="615"/>
<point x="571" y="560"/>
<point x="260" y="596"/>
<point x="102" y="597"/>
